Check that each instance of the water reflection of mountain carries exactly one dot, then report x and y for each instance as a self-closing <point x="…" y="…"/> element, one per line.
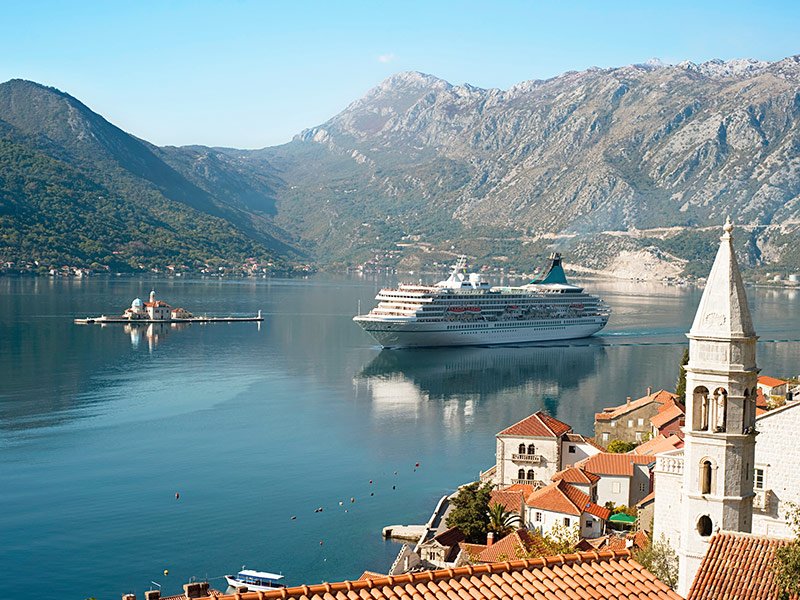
<point x="448" y="372"/>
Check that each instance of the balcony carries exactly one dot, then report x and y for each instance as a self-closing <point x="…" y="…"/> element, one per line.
<point x="670" y="462"/>
<point x="534" y="482"/>
<point x="527" y="458"/>
<point x="761" y="500"/>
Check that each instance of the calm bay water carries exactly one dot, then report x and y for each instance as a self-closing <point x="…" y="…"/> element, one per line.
<point x="101" y="426"/>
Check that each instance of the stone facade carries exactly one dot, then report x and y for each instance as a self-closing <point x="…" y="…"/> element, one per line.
<point x="630" y="422"/>
<point x="536" y="465"/>
<point x="776" y="479"/>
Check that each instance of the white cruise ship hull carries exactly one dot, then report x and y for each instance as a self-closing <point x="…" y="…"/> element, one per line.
<point x="409" y="334"/>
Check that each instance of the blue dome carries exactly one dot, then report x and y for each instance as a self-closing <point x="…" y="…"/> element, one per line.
<point x="137" y="303"/>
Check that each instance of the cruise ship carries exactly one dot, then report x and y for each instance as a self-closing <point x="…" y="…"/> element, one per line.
<point x="464" y="310"/>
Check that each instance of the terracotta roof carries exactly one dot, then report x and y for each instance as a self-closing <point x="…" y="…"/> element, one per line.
<point x="582" y="439"/>
<point x="539" y="424"/>
<point x="737" y="566"/>
<point x="614" y="412"/>
<point x="761" y="399"/>
<point x="511" y="500"/>
<point x="770" y="381"/>
<point x="520" y="487"/>
<point x="647" y="499"/>
<point x="450" y="537"/>
<point x="636" y="540"/>
<point x="608" y="463"/>
<point x="517" y="544"/>
<point x="586" y="575"/>
<point x="659" y="444"/>
<point x="670" y="413"/>
<point x="576" y="475"/>
<point x="370" y="575"/>
<point x="561" y="497"/>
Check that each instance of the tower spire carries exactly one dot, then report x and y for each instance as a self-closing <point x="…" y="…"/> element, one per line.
<point x="723" y="311"/>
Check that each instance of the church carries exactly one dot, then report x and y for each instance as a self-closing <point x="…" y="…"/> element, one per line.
<point x="707" y="486"/>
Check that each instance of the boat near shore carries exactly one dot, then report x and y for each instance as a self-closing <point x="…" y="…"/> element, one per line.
<point x="464" y="310"/>
<point x="255" y="581"/>
<point x="158" y="311"/>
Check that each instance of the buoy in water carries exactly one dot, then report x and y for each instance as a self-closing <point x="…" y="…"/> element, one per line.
<point x="166" y="572"/>
<point x="177" y="495"/>
<point x="352" y="500"/>
<point x="341" y="503"/>
<point x="416" y="465"/>
<point x="320" y="542"/>
<point x="370" y="480"/>
<point x="294" y="517"/>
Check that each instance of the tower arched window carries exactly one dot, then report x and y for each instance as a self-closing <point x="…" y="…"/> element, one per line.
<point x="521" y="449"/>
<point x="704" y="526"/>
<point x="521" y="474"/>
<point x="700" y="409"/>
<point x="531" y="449"/>
<point x="720" y="409"/>
<point x="705" y="477"/>
<point x="531" y="474"/>
<point x="748" y="422"/>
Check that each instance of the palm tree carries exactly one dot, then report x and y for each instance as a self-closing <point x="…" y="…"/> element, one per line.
<point x="501" y="521"/>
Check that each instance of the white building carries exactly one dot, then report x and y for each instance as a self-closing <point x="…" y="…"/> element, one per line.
<point x="715" y="466"/>
<point x="624" y="479"/>
<point x="563" y="505"/>
<point x="536" y="448"/>
<point x="776" y="481"/>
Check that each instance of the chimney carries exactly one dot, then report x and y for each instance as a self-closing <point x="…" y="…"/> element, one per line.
<point x="489" y="538"/>
<point x="649" y="390"/>
<point x="129" y="597"/>
<point x="191" y="590"/>
<point x="152" y="595"/>
<point x="628" y="400"/>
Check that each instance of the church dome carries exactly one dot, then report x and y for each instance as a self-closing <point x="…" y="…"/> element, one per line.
<point x="137" y="303"/>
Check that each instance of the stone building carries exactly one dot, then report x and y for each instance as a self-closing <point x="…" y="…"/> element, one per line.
<point x="630" y="422"/>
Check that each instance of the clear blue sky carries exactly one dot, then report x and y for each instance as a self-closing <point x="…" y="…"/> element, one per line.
<point x="250" y="73"/>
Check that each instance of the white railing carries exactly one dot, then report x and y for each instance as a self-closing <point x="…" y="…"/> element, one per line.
<point x="532" y="458"/>
<point x="669" y="464"/>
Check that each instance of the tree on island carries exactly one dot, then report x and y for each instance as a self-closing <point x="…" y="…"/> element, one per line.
<point x="471" y="512"/>
<point x="680" y="386"/>
<point x="787" y="558"/>
<point x="501" y="521"/>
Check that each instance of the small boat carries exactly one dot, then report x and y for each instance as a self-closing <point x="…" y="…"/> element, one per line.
<point x="256" y="581"/>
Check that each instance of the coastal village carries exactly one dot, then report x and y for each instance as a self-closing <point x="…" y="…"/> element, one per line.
<point x="705" y="479"/>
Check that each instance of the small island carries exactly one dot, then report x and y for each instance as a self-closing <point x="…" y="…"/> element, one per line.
<point x="158" y="311"/>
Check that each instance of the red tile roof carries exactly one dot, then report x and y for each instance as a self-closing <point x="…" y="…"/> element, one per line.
<point x="761" y="399"/>
<point x="586" y="575"/>
<point x="581" y="439"/>
<point x="659" y="444"/>
<point x="517" y="544"/>
<point x="647" y="499"/>
<point x="737" y="566"/>
<point x="670" y="413"/>
<point x="566" y="499"/>
<point x="520" y="487"/>
<point x="608" y="463"/>
<point x="511" y="500"/>
<point x="370" y="575"/>
<point x="576" y="475"/>
<point x="770" y="381"/>
<point x="636" y="541"/>
<point x="614" y="412"/>
<point x="539" y="424"/>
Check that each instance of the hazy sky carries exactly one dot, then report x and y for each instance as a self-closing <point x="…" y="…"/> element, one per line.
<point x="250" y="73"/>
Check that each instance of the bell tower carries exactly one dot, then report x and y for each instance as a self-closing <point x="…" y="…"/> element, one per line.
<point x="719" y="446"/>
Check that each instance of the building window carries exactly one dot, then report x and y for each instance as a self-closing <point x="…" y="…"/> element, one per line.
<point x="642" y="487"/>
<point x="638" y="436"/>
<point x="521" y="474"/>
<point x="605" y="436"/>
<point x="572" y="449"/>
<point x="615" y="487"/>
<point x="521" y="449"/>
<point x="531" y="474"/>
<point x="566" y="521"/>
<point x="613" y="423"/>
<point x="531" y="449"/>
<point x="700" y="404"/>
<point x="588" y="524"/>
<point x="538" y="517"/>
<point x="705" y="477"/>
<point x="704" y="526"/>
<point x="759" y="480"/>
<point x="630" y="422"/>
<point x="640" y="422"/>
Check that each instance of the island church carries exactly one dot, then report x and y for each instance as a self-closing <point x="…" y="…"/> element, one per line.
<point x="707" y="486"/>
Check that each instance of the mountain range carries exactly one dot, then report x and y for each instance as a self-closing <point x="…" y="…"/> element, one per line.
<point x="627" y="170"/>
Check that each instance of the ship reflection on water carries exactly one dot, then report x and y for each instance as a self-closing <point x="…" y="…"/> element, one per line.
<point x="414" y="382"/>
<point x="152" y="333"/>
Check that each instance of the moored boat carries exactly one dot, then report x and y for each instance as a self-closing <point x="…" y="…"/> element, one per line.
<point x="257" y="581"/>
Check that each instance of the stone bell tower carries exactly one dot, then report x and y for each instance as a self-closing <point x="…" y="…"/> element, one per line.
<point x="720" y="440"/>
